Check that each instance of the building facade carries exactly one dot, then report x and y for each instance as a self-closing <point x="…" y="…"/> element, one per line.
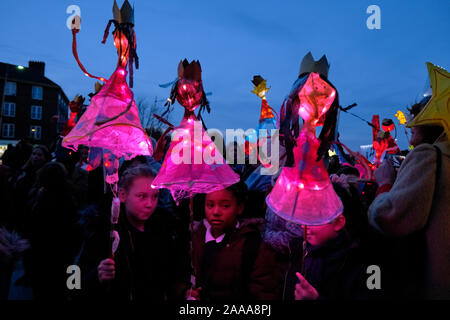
<point x="33" y="106"/>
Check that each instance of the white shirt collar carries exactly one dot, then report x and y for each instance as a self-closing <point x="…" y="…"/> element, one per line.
<point x="209" y="237"/>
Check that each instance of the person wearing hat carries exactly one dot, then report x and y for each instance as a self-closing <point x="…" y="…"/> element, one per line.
<point x="418" y="202"/>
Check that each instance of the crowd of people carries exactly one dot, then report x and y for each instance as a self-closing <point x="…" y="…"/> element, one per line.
<point x="225" y="244"/>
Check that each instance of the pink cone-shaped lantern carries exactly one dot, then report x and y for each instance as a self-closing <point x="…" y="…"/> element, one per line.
<point x="111" y="121"/>
<point x="304" y="194"/>
<point x="192" y="164"/>
<point x="110" y="126"/>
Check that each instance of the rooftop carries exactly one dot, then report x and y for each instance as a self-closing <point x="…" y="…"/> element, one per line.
<point x="33" y="74"/>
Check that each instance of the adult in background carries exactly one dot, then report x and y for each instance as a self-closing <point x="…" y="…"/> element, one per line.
<point x="24" y="181"/>
<point x="53" y="232"/>
<point x="417" y="200"/>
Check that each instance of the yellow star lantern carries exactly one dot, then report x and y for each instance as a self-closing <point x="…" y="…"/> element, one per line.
<point x="437" y="110"/>
<point x="401" y="117"/>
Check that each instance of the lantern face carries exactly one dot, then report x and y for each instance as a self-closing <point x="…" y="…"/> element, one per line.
<point x="189" y="93"/>
<point x="262" y="94"/>
<point x="261" y="90"/>
<point x="387" y="128"/>
<point x="315" y="97"/>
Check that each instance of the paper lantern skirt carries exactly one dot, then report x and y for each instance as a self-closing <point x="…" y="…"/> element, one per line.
<point x="193" y="164"/>
<point x="111" y="121"/>
<point x="304" y="194"/>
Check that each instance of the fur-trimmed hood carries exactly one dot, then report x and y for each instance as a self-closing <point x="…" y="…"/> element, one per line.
<point x="11" y="246"/>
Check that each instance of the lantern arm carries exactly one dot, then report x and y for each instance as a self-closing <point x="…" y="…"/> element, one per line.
<point x="75" y="55"/>
<point x="165" y="121"/>
<point x="161" y="143"/>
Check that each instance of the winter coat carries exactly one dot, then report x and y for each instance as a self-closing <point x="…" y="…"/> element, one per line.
<point x="80" y="182"/>
<point x="149" y="266"/>
<point x="55" y="240"/>
<point x="241" y="267"/>
<point x="414" y="204"/>
<point x="22" y="186"/>
<point x="336" y="270"/>
<point x="279" y="232"/>
<point x="12" y="247"/>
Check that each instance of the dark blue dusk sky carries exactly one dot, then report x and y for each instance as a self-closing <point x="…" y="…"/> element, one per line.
<point x="382" y="70"/>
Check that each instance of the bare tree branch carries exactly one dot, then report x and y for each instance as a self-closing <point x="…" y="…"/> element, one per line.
<point x="146" y="109"/>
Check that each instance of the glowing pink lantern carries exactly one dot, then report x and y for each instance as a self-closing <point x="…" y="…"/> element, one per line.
<point x="314" y="202"/>
<point x="110" y="125"/>
<point x="202" y="169"/>
<point x="111" y="121"/>
<point x="185" y="175"/>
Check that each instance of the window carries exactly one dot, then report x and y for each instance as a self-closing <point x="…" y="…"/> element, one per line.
<point x="36" y="112"/>
<point x="10" y="88"/>
<point x="9" y="109"/>
<point x="36" y="93"/>
<point x="8" y="130"/>
<point x="35" y="132"/>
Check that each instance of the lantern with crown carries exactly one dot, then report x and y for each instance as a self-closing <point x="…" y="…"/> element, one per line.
<point x="192" y="163"/>
<point x="111" y="121"/>
<point x="303" y="192"/>
<point x="110" y="126"/>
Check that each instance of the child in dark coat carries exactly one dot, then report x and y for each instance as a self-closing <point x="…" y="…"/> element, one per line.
<point x="229" y="258"/>
<point x="334" y="266"/>
<point x="150" y="264"/>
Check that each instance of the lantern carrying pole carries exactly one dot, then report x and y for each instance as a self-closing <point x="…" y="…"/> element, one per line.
<point x="304" y="251"/>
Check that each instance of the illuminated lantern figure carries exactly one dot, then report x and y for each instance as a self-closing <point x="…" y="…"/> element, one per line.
<point x="192" y="164"/>
<point x="402" y="121"/>
<point x="388" y="126"/>
<point x="111" y="121"/>
<point x="110" y="126"/>
<point x="267" y="119"/>
<point x="303" y="192"/>
<point x="383" y="142"/>
<point x="401" y="117"/>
